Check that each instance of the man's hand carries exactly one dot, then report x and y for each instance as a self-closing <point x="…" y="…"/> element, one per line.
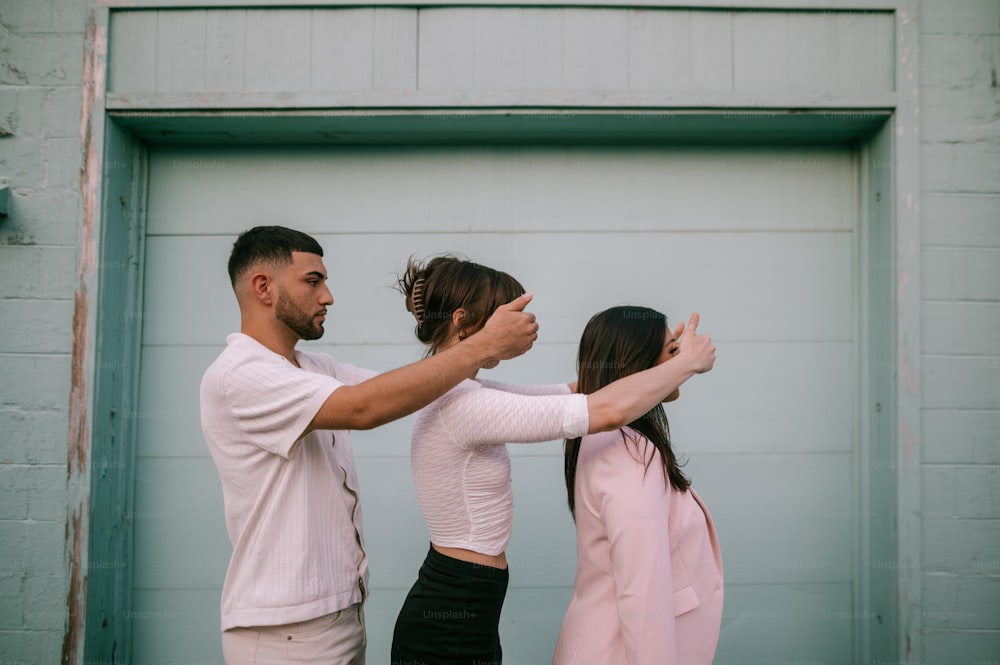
<point x="509" y="332"/>
<point x="697" y="350"/>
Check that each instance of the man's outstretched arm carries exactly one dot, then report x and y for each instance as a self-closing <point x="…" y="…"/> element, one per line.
<point x="507" y="334"/>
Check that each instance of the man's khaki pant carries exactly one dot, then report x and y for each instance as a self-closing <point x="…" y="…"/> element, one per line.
<point x="334" y="639"/>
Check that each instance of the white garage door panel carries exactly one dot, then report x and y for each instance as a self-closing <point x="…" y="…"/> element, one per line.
<point x="781" y="518"/>
<point x="747" y="286"/>
<point x="526" y="620"/>
<point x="761" y="241"/>
<point x="760" y="621"/>
<point x="372" y="190"/>
<point x="791" y="397"/>
<point x="380" y="617"/>
<point x="387" y="499"/>
<point x="187" y="297"/>
<point x="180" y="540"/>
<point x="170" y="381"/>
<point x="172" y="627"/>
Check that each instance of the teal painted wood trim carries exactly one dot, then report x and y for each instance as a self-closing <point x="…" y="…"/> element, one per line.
<point x="906" y="155"/>
<point x="539" y="127"/>
<point x="119" y="329"/>
<point x="540" y="100"/>
<point x="791" y="5"/>
<point x="877" y="461"/>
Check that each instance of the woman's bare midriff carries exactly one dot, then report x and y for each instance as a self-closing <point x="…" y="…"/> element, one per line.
<point x="491" y="560"/>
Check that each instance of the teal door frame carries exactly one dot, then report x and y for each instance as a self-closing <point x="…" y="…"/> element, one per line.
<point x="108" y="319"/>
<point x="119" y="321"/>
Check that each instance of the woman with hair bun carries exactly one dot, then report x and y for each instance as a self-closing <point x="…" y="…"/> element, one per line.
<point x="648" y="588"/>
<point x="461" y="468"/>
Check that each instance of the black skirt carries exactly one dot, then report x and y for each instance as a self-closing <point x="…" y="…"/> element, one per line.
<point x="451" y="615"/>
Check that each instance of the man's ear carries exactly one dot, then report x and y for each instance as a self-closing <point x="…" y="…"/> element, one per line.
<point x="260" y="287"/>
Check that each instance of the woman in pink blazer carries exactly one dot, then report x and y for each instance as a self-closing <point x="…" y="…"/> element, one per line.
<point x="648" y="587"/>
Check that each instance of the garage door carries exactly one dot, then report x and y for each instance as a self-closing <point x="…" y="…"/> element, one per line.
<point x="763" y="242"/>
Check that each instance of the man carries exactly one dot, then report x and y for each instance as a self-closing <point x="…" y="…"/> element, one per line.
<point x="276" y="422"/>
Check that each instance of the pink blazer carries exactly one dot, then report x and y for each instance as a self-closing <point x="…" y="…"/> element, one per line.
<point x="648" y="587"/>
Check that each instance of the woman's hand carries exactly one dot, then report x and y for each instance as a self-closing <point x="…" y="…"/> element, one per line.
<point x="696" y="351"/>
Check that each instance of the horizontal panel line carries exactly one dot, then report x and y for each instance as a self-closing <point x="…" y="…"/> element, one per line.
<point x="30" y="299"/>
<point x="527" y="587"/>
<point x="981" y="247"/>
<point x="846" y="6"/>
<point x="559" y="232"/>
<point x="935" y="247"/>
<point x="413" y="101"/>
<point x="960" y="409"/>
<point x="574" y="342"/>
<point x="944" y="630"/>
<point x="40" y="354"/>
<point x="989" y="195"/>
<point x="962" y="192"/>
<point x="971" y="356"/>
<point x="960" y="301"/>
<point x="15" y="248"/>
<point x="728" y="585"/>
<point x="30" y="465"/>
<point x="360" y="455"/>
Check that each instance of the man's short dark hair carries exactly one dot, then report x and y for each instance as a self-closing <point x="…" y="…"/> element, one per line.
<point x="271" y="244"/>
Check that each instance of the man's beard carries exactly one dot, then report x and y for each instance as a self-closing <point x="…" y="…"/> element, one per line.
<point x="298" y="321"/>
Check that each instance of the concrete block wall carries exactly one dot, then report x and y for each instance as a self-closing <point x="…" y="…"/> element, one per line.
<point x="41" y="70"/>
<point x="960" y="293"/>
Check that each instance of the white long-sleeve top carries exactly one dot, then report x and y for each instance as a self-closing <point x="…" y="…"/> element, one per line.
<point x="461" y="468"/>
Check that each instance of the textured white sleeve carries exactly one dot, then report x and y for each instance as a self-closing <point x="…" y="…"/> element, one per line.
<point x="539" y="389"/>
<point x="485" y="416"/>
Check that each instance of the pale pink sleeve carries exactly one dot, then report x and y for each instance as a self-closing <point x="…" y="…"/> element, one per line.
<point x="634" y="506"/>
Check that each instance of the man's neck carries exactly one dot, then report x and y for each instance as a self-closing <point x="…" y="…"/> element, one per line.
<point x="282" y="344"/>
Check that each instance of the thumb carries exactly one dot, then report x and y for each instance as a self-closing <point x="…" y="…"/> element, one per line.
<point x="519" y="303"/>
<point x="692" y="327"/>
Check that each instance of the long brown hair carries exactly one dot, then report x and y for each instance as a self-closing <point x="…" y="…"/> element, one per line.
<point x="435" y="289"/>
<point x="616" y="343"/>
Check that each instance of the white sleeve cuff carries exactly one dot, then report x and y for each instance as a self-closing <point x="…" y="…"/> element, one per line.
<point x="576" y="417"/>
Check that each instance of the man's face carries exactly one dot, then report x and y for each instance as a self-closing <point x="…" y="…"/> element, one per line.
<point x="303" y="296"/>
